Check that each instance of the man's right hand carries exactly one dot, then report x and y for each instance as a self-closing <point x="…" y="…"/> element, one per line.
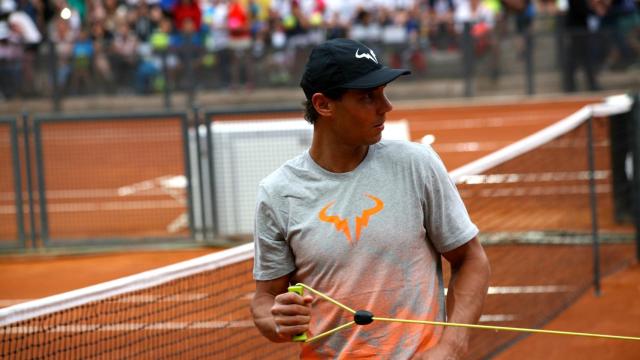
<point x="291" y="314"/>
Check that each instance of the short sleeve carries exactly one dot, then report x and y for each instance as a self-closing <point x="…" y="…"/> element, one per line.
<point x="273" y="256"/>
<point x="446" y="219"/>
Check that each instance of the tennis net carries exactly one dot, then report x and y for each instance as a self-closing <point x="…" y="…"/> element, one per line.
<point x="530" y="200"/>
<point x="190" y="310"/>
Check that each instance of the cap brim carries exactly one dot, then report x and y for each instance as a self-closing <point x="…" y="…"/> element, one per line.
<point x="376" y="78"/>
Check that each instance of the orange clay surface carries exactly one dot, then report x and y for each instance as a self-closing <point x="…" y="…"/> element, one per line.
<point x="480" y="129"/>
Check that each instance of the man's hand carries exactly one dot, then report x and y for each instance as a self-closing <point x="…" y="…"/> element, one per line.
<point x="291" y="314"/>
<point x="277" y="313"/>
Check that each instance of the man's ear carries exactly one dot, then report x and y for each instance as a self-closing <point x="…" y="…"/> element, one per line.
<point x="322" y="104"/>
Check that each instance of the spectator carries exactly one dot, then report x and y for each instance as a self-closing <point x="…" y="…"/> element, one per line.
<point x="240" y="44"/>
<point x="147" y="70"/>
<point x="79" y="6"/>
<point x="62" y="38"/>
<point x="336" y="28"/>
<point x="28" y="35"/>
<point x="338" y="16"/>
<point x="394" y="36"/>
<point x="188" y="42"/>
<point x="41" y="12"/>
<point x="10" y="62"/>
<point x="581" y="24"/>
<point x="81" y="65"/>
<point x="164" y="60"/>
<point x="114" y="14"/>
<point x="167" y="6"/>
<point x="413" y="53"/>
<point x="124" y="52"/>
<point x="217" y="42"/>
<point x="316" y="32"/>
<point x="440" y="22"/>
<point x="524" y="13"/>
<point x="101" y="65"/>
<point x="296" y="25"/>
<point x="482" y="22"/>
<point x="187" y="10"/>
<point x="258" y="27"/>
<point x="143" y="23"/>
<point x="365" y="28"/>
<point x="622" y="26"/>
<point x="277" y="63"/>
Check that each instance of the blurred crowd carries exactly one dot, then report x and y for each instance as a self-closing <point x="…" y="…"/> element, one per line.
<point x="110" y="45"/>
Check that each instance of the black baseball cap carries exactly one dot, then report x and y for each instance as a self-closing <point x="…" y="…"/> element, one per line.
<point x="345" y="64"/>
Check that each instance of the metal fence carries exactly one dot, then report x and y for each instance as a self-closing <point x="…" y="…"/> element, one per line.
<point x="164" y="177"/>
<point x="95" y="178"/>
<point x="137" y="178"/>
<point x="12" y="232"/>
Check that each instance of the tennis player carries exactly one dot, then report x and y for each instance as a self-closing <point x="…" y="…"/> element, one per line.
<point x="366" y="222"/>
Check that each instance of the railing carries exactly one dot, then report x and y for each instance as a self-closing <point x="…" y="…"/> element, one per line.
<point x="548" y="50"/>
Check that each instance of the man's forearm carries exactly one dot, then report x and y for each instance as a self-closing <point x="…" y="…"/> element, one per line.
<point x="261" y="310"/>
<point x="465" y="298"/>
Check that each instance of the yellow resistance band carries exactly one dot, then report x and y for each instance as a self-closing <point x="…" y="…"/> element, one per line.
<point x="365" y="317"/>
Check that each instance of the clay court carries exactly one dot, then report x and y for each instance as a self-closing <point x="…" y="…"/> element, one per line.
<point x="462" y="134"/>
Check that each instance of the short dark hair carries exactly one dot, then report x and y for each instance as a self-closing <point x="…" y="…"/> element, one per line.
<point x="310" y="113"/>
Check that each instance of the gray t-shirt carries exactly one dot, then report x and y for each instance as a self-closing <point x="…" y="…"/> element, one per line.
<point x="370" y="238"/>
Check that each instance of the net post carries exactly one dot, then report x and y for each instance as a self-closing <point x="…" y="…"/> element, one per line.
<point x="208" y="123"/>
<point x="184" y="121"/>
<point x="593" y="203"/>
<point x="635" y="166"/>
<point x="201" y="234"/>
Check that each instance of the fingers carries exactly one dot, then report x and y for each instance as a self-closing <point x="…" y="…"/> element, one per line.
<point x="291" y="314"/>
<point x="287" y="327"/>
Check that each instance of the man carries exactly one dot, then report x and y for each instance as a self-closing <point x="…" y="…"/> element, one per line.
<point x="582" y="24"/>
<point x="366" y="222"/>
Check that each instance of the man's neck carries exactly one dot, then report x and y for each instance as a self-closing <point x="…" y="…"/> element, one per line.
<point x="337" y="158"/>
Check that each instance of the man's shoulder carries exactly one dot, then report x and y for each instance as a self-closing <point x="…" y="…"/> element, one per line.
<point x="282" y="176"/>
<point x="402" y="149"/>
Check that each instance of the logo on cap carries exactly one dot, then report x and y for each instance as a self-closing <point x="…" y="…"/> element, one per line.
<point x="370" y="55"/>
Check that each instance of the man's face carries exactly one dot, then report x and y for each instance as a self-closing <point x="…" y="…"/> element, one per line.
<point x="359" y="116"/>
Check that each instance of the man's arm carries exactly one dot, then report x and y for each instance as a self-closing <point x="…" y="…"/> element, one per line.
<point x="467" y="289"/>
<point x="277" y="313"/>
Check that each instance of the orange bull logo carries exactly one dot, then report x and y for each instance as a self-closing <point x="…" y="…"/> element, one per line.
<point x="342" y="225"/>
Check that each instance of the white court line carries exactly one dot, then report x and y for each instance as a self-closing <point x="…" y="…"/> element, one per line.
<point x="532" y="177"/>
<point x="473" y="146"/>
<point x="534" y="191"/>
<point x="535" y="289"/>
<point x="532" y="289"/>
<point x="497" y="318"/>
